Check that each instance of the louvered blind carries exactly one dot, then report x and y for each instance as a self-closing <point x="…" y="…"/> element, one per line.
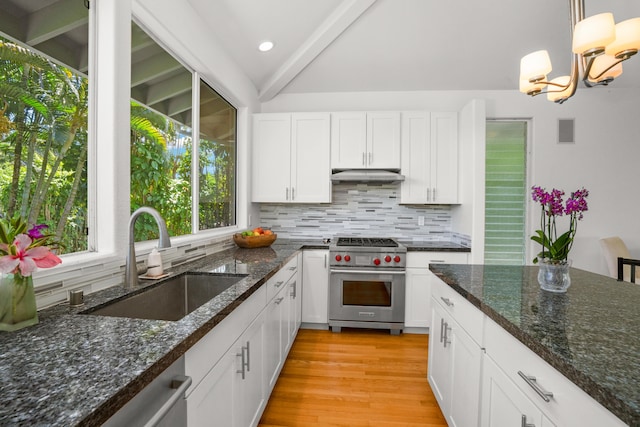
<point x="505" y="192"/>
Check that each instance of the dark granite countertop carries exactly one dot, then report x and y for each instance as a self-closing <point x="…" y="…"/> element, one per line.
<point x="77" y="369"/>
<point x="432" y="246"/>
<point x="590" y="334"/>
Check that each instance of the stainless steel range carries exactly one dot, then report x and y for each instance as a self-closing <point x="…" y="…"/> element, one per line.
<point x="367" y="283"/>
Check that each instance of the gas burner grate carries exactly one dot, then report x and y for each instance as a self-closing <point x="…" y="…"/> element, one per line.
<point x="367" y="242"/>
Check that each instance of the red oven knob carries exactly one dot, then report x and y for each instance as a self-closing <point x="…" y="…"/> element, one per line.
<point x="347" y="258"/>
<point x="376" y="261"/>
<point x="387" y="258"/>
<point x="338" y="257"/>
<point x="396" y="258"/>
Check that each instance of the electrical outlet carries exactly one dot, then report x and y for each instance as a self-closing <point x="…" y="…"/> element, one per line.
<point x="420" y="220"/>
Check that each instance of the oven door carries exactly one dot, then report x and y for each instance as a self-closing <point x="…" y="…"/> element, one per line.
<point x="367" y="296"/>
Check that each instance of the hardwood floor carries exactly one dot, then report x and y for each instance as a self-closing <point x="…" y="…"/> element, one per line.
<point x="354" y="378"/>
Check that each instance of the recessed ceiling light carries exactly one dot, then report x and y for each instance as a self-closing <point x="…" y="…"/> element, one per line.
<point x="265" y="46"/>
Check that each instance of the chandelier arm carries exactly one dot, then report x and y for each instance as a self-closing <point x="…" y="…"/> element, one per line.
<point x="587" y="74"/>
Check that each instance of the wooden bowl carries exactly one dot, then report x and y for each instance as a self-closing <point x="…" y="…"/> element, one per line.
<point x="261" y="241"/>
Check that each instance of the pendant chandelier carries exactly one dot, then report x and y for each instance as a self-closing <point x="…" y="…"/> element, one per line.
<point x="599" y="47"/>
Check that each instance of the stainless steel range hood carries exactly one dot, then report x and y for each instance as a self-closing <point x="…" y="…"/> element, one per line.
<point x="367" y="175"/>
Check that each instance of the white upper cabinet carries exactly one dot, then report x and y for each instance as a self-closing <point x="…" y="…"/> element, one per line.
<point x="291" y="160"/>
<point x="365" y="140"/>
<point x="429" y="158"/>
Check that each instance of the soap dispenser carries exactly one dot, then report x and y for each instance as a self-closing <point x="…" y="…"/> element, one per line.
<point x="154" y="264"/>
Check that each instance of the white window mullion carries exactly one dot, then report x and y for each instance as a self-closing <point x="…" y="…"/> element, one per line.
<point x="195" y="157"/>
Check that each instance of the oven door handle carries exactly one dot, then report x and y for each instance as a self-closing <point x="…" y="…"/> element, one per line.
<point x="401" y="272"/>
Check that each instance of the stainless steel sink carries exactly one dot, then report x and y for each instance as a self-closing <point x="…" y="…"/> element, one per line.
<point x="172" y="299"/>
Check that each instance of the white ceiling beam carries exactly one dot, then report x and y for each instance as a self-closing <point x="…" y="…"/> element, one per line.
<point x="150" y="68"/>
<point x="56" y="19"/>
<point x="323" y="36"/>
<point x="169" y="88"/>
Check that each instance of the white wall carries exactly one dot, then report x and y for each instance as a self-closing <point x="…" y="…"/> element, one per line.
<point x="604" y="158"/>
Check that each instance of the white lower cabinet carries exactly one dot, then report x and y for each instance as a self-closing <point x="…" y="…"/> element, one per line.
<point x="418" y="284"/>
<point x="565" y="405"/>
<point x="507" y="384"/>
<point x="235" y="366"/>
<point x="454" y="369"/>
<point x="276" y="335"/>
<point x="232" y="393"/>
<point x="503" y="404"/>
<point x="315" y="292"/>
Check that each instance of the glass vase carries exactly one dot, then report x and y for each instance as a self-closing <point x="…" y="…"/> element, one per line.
<point x="553" y="276"/>
<point x="17" y="302"/>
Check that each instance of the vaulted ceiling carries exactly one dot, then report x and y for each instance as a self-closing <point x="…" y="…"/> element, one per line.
<point x="339" y="45"/>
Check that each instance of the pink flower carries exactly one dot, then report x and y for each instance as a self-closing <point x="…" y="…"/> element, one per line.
<point x="25" y="259"/>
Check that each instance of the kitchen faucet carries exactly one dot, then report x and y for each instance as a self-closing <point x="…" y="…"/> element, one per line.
<point x="131" y="271"/>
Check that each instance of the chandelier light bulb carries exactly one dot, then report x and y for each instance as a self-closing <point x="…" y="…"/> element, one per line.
<point x="591" y="35"/>
<point x="627" y="38"/>
<point x="557" y="93"/>
<point x="600" y="65"/>
<point x="535" y="65"/>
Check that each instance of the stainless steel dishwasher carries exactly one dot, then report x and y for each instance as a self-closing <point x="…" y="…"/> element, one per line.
<point x="162" y="403"/>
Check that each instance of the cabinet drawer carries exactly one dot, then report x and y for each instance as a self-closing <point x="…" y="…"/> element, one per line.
<point x="569" y="405"/>
<point x="466" y="314"/>
<point x="276" y="283"/>
<point x="423" y="259"/>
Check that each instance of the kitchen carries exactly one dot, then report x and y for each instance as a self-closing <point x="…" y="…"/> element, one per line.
<point x="596" y="149"/>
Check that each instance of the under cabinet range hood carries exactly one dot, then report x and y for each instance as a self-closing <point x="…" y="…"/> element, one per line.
<point x="366" y="175"/>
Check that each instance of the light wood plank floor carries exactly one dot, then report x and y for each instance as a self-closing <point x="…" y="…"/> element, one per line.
<point x="354" y="378"/>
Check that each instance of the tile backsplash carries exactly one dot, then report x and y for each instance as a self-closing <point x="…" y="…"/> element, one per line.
<point x="361" y="209"/>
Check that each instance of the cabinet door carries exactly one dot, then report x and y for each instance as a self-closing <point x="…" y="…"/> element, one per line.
<point x="439" y="369"/>
<point x="315" y="286"/>
<point x="418" y="298"/>
<point x="310" y="158"/>
<point x="415" y="157"/>
<point x="271" y="167"/>
<point x="213" y="398"/>
<point x="250" y="394"/>
<point x="503" y="404"/>
<point x="273" y="357"/>
<point x="444" y="158"/>
<point x="294" y="306"/>
<point x="466" y="362"/>
<point x="383" y="140"/>
<point x="348" y="140"/>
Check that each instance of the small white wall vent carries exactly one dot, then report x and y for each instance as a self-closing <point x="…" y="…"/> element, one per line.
<point x="566" y="131"/>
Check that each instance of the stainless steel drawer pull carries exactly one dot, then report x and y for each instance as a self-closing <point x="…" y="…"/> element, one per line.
<point x="294" y="293"/>
<point x="545" y="395"/>
<point x="447" y="301"/>
<point x="525" y="423"/>
<point x="248" y="358"/>
<point x="446" y="335"/>
<point x="278" y="284"/>
<point x="279" y="300"/>
<point x="180" y="383"/>
<point x="441" y="329"/>
<point x="243" y="362"/>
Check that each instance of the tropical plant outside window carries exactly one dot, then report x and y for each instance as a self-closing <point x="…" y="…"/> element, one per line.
<point x="162" y="145"/>
<point x="43" y="143"/>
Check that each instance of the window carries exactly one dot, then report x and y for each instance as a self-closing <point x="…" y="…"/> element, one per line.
<point x="162" y="145"/>
<point x="43" y="119"/>
<point x="217" y="171"/>
<point x="505" y="193"/>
